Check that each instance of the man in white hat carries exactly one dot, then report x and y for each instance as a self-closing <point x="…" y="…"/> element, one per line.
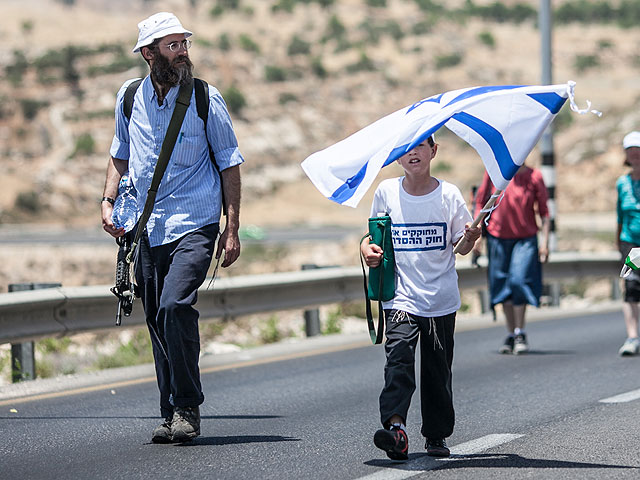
<point x="177" y="245"/>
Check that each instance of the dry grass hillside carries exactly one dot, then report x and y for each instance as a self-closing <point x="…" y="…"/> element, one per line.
<point x="308" y="78"/>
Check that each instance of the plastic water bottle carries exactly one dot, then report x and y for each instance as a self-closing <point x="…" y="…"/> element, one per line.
<point x="632" y="263"/>
<point x="125" y="209"/>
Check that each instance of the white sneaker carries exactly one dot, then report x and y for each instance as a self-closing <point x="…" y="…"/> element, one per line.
<point x="630" y="347"/>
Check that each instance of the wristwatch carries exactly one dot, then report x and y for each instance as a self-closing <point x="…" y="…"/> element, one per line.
<point x="108" y="199"/>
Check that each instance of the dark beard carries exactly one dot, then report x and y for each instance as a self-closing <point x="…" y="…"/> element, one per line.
<point x="177" y="72"/>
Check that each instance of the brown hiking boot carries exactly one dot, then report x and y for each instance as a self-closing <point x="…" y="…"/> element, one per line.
<point x="185" y="424"/>
<point x="162" y="433"/>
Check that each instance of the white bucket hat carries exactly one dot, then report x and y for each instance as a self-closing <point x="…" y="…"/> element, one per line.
<point x="157" y="26"/>
<point x="631" y="140"/>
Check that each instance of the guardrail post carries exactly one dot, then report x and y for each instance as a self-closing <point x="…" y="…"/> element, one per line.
<point x="483" y="295"/>
<point x="616" y="293"/>
<point x="23" y="360"/>
<point x="311" y="317"/>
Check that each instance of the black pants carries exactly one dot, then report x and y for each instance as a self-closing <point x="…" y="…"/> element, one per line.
<point x="436" y="352"/>
<point x="168" y="277"/>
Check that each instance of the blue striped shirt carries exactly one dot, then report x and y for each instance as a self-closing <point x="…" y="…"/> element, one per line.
<point x="189" y="196"/>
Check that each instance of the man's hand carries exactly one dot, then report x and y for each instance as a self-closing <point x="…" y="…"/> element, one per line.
<point x="107" y="222"/>
<point x="230" y="243"/>
<point x="543" y="254"/>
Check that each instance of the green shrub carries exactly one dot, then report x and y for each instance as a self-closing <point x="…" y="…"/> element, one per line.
<point x="273" y="73"/>
<point x="585" y="62"/>
<point x="283" y="5"/>
<point x="16" y="70"/>
<point x="247" y="43"/>
<point x="85" y="145"/>
<point x="234" y="99"/>
<point x="297" y="46"/>
<point x="224" y="42"/>
<point x="376" y="3"/>
<point x="27" y="26"/>
<point x="31" y="107"/>
<point x="137" y="351"/>
<point x="335" y="29"/>
<point x="447" y="61"/>
<point x="364" y="64"/>
<point x="286" y="98"/>
<point x="28" y="202"/>
<point x="318" y="68"/>
<point x="269" y="331"/>
<point x="53" y="345"/>
<point x="333" y="324"/>
<point x="422" y="27"/>
<point x="486" y="38"/>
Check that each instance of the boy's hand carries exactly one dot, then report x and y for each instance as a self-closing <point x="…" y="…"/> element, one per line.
<point x="372" y="254"/>
<point x="471" y="234"/>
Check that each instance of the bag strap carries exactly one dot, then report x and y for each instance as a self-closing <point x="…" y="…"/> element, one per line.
<point x="129" y="94"/>
<point x="376" y="337"/>
<point x="179" y="111"/>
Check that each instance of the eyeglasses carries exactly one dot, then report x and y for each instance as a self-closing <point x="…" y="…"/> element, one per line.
<point x="176" y="46"/>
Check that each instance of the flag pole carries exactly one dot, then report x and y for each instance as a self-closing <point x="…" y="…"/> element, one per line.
<point x="480" y="217"/>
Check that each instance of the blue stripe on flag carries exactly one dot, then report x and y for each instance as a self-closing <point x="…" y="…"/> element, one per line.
<point x="397" y="152"/>
<point x="474" y="92"/>
<point x="345" y="191"/>
<point x="494" y="139"/>
<point x="550" y="100"/>
<point x="434" y="99"/>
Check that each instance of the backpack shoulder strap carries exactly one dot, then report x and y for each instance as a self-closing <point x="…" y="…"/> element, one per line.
<point x="202" y="99"/>
<point x="129" y="94"/>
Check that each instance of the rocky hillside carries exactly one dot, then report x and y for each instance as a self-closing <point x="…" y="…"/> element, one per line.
<point x="299" y="76"/>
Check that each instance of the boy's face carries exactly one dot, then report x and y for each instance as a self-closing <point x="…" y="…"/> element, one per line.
<point x="419" y="159"/>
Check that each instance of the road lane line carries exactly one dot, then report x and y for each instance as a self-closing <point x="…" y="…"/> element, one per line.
<point x="401" y="471"/>
<point x="250" y="361"/>
<point x="623" y="397"/>
<point x="484" y="443"/>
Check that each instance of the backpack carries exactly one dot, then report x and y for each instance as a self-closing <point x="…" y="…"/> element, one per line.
<point x="202" y="106"/>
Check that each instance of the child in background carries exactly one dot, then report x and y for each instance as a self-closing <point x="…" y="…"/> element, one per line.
<point x="429" y="217"/>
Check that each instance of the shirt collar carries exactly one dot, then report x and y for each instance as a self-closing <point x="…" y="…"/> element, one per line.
<point x="169" y="100"/>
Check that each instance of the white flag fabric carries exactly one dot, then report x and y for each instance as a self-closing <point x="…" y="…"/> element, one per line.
<point x="502" y="123"/>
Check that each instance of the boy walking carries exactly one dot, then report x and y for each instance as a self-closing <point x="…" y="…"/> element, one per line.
<point x="429" y="217"/>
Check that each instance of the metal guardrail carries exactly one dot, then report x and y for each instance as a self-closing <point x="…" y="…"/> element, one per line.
<point x="58" y="312"/>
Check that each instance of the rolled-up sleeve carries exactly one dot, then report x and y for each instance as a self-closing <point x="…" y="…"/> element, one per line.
<point x="120" y="143"/>
<point x="220" y="132"/>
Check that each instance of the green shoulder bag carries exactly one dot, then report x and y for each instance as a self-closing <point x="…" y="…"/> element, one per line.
<point x="381" y="285"/>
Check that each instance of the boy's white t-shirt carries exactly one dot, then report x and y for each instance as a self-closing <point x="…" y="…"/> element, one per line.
<point x="424" y="229"/>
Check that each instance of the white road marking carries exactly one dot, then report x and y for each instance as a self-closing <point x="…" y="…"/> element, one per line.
<point x="401" y="471"/>
<point x="623" y="397"/>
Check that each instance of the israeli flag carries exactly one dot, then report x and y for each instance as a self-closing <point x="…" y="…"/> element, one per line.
<point x="502" y="123"/>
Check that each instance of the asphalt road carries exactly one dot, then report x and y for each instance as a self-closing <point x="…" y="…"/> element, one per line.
<point x="313" y="414"/>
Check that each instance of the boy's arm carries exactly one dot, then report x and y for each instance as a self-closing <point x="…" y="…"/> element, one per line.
<point x="471" y="234"/>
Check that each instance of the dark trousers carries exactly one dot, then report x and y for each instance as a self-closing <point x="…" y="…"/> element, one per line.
<point x="168" y="277"/>
<point x="436" y="357"/>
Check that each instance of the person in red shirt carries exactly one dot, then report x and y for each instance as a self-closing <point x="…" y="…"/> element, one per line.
<point x="515" y="257"/>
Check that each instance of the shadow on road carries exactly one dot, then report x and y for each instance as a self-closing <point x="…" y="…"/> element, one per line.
<point x="540" y="352"/>
<point x="237" y="439"/>
<point x="17" y="416"/>
<point x="423" y="462"/>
